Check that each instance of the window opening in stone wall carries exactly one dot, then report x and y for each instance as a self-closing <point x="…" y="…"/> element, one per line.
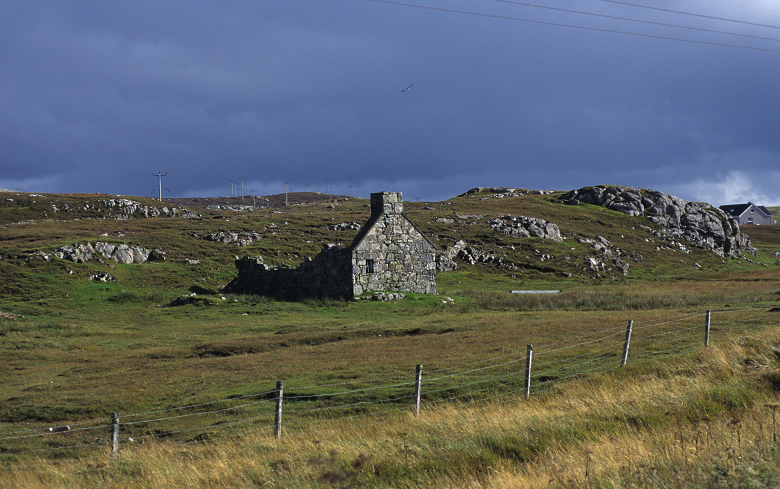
<point x="369" y="266"/>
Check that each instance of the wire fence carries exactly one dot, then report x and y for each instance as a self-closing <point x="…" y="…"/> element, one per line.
<point x="311" y="409"/>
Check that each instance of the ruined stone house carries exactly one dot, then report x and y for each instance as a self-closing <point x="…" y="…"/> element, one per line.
<point x="389" y="253"/>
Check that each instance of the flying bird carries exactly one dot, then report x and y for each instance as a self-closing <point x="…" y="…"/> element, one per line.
<point x="407" y="88"/>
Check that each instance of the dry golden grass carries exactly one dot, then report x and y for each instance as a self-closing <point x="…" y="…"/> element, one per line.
<point x="658" y="426"/>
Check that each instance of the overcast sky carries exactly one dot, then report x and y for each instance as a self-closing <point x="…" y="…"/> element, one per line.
<point x="97" y="96"/>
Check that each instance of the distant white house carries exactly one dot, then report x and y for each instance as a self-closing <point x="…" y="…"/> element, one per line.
<point x="748" y="213"/>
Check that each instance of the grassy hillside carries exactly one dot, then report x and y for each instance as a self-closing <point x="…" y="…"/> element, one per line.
<point x="74" y="350"/>
<point x="775" y="214"/>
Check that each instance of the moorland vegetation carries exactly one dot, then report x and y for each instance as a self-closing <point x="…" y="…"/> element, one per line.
<point x="192" y="371"/>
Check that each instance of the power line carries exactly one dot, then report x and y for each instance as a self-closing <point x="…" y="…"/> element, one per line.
<point x="558" y="24"/>
<point x="286" y="184"/>
<point x="159" y="176"/>
<point x="628" y="19"/>
<point x="691" y="14"/>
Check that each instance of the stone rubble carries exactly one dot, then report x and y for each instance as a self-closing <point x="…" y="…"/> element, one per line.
<point x="346" y="226"/>
<point x="103" y="277"/>
<point x="386" y="296"/>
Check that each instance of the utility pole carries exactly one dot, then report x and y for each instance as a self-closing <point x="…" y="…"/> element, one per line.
<point x="308" y="186"/>
<point x="242" y="188"/>
<point x="327" y="179"/>
<point x="285" y="192"/>
<point x="350" y="190"/>
<point x="232" y="188"/>
<point x="253" y="197"/>
<point x="159" y="181"/>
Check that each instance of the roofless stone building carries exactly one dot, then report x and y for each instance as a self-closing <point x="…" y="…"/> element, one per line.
<point x="388" y="254"/>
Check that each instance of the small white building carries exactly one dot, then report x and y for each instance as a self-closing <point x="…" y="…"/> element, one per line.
<point x="749" y="213"/>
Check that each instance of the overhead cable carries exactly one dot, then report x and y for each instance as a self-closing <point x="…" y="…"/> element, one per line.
<point x="573" y="26"/>
<point x="691" y="14"/>
<point x="628" y="19"/>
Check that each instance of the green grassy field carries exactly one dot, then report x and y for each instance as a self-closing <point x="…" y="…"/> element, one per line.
<point x="193" y="380"/>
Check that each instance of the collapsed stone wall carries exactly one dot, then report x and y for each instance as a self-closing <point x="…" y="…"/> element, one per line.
<point x="327" y="275"/>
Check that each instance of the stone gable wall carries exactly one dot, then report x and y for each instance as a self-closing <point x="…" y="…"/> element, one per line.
<point x="403" y="259"/>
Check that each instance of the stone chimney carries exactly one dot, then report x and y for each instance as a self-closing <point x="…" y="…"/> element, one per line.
<point x="387" y="203"/>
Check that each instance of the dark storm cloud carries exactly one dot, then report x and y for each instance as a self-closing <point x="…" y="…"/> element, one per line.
<point x="96" y="96"/>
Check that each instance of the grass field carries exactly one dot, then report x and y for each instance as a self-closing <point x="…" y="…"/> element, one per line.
<point x="194" y="380"/>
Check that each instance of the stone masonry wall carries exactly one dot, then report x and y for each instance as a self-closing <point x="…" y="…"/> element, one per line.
<point x="326" y="275"/>
<point x="403" y="259"/>
<point x="389" y="253"/>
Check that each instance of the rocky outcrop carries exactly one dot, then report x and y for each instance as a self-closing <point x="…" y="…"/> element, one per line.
<point x="606" y="255"/>
<point x="461" y="252"/>
<point x="236" y="208"/>
<point x="121" y="253"/>
<point x="697" y="223"/>
<point x="234" y="238"/>
<point x="502" y="192"/>
<point x="524" y="227"/>
<point x="123" y="209"/>
<point x="472" y="255"/>
<point x="445" y="261"/>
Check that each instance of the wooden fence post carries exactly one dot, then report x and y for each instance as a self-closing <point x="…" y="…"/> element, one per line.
<point x="625" y="346"/>
<point x="417" y="390"/>
<point x="114" y="433"/>
<point x="529" y="353"/>
<point x="707" y="330"/>
<point x="278" y="420"/>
